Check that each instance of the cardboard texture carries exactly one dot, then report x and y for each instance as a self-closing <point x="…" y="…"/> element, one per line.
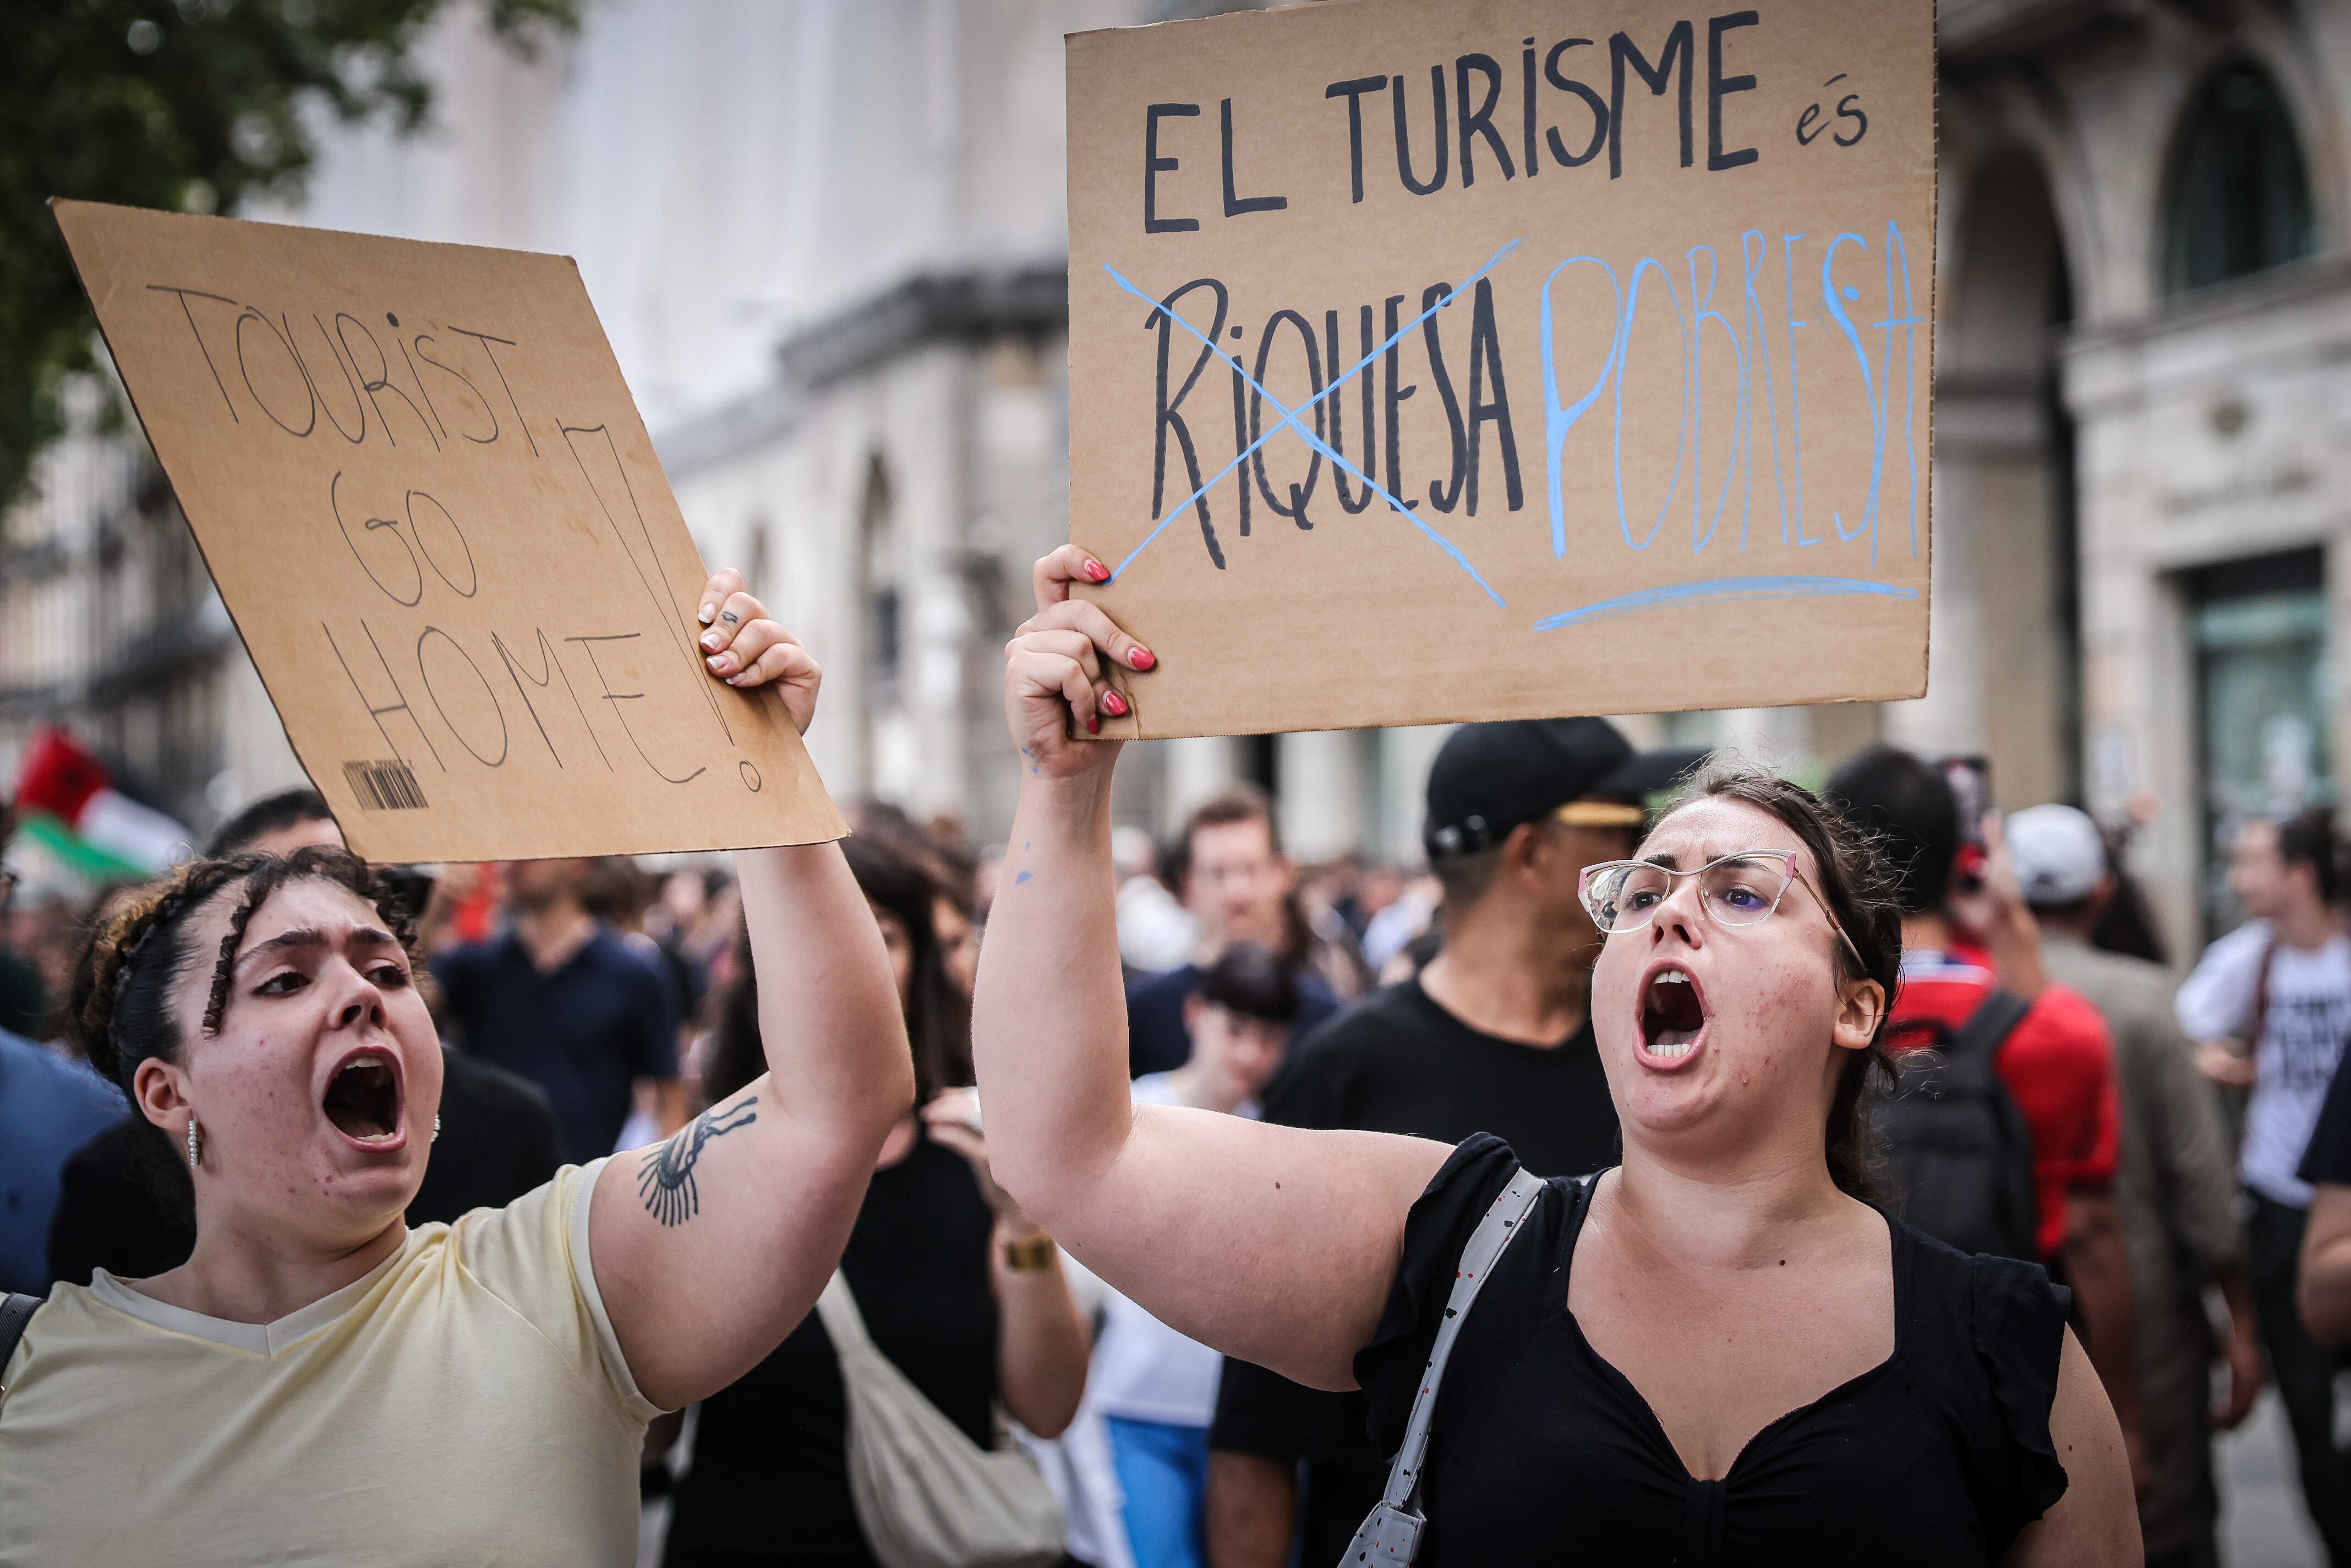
<point x="430" y="505"/>
<point x="1580" y="353"/>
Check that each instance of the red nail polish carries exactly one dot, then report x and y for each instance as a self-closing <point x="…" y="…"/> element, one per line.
<point x="1098" y="572"/>
<point x="1142" y="658"/>
<point x="1093" y="725"/>
<point x="1114" y="704"/>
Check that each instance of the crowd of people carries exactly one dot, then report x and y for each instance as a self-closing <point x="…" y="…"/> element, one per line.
<point x="1805" y="1086"/>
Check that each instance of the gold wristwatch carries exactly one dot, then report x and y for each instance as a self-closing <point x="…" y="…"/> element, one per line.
<point x="1026" y="1257"/>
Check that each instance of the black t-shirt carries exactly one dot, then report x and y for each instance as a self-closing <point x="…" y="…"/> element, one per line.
<point x="769" y="1482"/>
<point x="1934" y="1458"/>
<point x="125" y="1204"/>
<point x="584" y="1034"/>
<point x="498" y="1141"/>
<point x="1397" y="1063"/>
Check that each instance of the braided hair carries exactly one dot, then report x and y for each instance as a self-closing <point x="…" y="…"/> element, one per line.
<point x="118" y="1007"/>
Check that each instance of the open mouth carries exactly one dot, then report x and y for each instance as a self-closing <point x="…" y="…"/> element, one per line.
<point x="362" y="1099"/>
<point x="1671" y="1015"/>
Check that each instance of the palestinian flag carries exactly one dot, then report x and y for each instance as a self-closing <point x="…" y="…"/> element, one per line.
<point x="67" y="804"/>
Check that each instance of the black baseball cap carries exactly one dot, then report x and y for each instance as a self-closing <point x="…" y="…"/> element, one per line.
<point x="1490" y="778"/>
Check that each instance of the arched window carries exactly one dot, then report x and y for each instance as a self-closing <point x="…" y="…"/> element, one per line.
<point x="2240" y="192"/>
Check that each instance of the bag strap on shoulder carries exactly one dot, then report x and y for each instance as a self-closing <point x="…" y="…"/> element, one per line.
<point x="16" y="1312"/>
<point x="1391" y="1534"/>
<point x="843" y="1323"/>
<point x="2260" y="1020"/>
<point x="1975" y="1043"/>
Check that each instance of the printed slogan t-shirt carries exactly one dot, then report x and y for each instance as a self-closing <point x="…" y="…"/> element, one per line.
<point x="2302" y="1032"/>
<point x="464" y="1402"/>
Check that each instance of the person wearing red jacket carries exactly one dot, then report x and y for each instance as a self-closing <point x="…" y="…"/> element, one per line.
<point x="2057" y="1062"/>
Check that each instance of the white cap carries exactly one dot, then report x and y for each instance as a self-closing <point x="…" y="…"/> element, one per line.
<point x="2058" y="852"/>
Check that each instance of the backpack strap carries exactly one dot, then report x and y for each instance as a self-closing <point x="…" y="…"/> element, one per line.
<point x="1974" y="1044"/>
<point x="1391" y="1534"/>
<point x="2260" y="1013"/>
<point x="16" y="1312"/>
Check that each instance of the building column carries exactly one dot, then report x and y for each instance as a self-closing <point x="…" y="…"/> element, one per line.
<point x="1324" y="780"/>
<point x="1198" y="766"/>
<point x="1403" y="757"/>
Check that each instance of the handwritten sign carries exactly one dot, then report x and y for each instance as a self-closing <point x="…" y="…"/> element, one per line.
<point x="1453" y="361"/>
<point x="429" y="502"/>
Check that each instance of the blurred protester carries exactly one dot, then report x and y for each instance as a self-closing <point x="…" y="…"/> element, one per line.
<point x="1413" y="956"/>
<point x="559" y="999"/>
<point x="277" y="824"/>
<point x="1494" y="1036"/>
<point x="2054" y="1059"/>
<point x="1402" y="920"/>
<point x="1155" y="1387"/>
<point x="621" y="894"/>
<point x="2176" y="1188"/>
<point x="1332" y="948"/>
<point x="1155" y="934"/>
<point x="128" y="1207"/>
<point x="49" y="1107"/>
<point x="903" y="898"/>
<point x="960" y="1290"/>
<point x="42" y="926"/>
<point x="958" y="938"/>
<point x="24" y="996"/>
<point x="2269" y="1006"/>
<point x="1237" y="883"/>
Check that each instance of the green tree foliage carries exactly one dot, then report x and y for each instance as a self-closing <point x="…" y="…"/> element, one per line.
<point x="193" y="106"/>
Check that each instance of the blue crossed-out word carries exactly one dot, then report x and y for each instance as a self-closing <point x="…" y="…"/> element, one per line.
<point x="1288" y="418"/>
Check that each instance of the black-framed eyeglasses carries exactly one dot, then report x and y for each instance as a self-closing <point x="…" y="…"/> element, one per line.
<point x="1743" y="888"/>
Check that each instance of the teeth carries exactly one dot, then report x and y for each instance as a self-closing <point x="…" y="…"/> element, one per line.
<point x="1672" y="977"/>
<point x="363" y="1061"/>
<point x="1672" y="1052"/>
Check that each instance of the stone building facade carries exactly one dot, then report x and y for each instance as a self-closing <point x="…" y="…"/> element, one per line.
<point x="2141" y="402"/>
<point x="829" y="245"/>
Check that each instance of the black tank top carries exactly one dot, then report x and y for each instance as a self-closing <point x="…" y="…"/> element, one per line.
<point x="1542" y="1453"/>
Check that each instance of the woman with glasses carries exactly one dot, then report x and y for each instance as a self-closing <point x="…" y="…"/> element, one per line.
<point x="1720" y="1351"/>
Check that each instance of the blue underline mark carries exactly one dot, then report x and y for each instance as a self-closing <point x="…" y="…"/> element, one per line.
<point x="1288" y="418"/>
<point x="1722" y="591"/>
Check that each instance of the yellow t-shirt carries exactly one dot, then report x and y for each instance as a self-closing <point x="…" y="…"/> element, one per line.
<point x="465" y="1401"/>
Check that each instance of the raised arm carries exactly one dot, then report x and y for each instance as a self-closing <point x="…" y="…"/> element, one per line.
<point x="1271" y="1243"/>
<point x="709" y="1247"/>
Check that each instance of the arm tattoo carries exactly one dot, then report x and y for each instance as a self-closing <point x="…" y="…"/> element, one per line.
<point x="665" y="1181"/>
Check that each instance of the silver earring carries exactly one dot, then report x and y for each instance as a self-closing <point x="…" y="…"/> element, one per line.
<point x="195" y="1143"/>
<point x="436" y="1126"/>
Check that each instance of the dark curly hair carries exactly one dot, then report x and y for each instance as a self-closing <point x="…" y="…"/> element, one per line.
<point x="1860" y="886"/>
<point x="118" y="1007"/>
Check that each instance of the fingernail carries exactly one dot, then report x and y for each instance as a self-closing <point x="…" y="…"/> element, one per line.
<point x="707" y="613"/>
<point x="713" y="641"/>
<point x="1142" y="658"/>
<point x="716" y="661"/>
<point x="736" y="680"/>
<point x="1098" y="572"/>
<point x="1114" y="704"/>
<point x="1094" y="725"/>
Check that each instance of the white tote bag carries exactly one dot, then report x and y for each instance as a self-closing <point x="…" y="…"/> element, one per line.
<point x="926" y="1495"/>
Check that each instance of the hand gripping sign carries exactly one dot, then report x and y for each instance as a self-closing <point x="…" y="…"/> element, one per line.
<point x="1435" y="362"/>
<point x="431" y="507"/>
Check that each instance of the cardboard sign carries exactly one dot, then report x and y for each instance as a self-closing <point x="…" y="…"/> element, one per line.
<point x="433" y="511"/>
<point x="1436" y="361"/>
